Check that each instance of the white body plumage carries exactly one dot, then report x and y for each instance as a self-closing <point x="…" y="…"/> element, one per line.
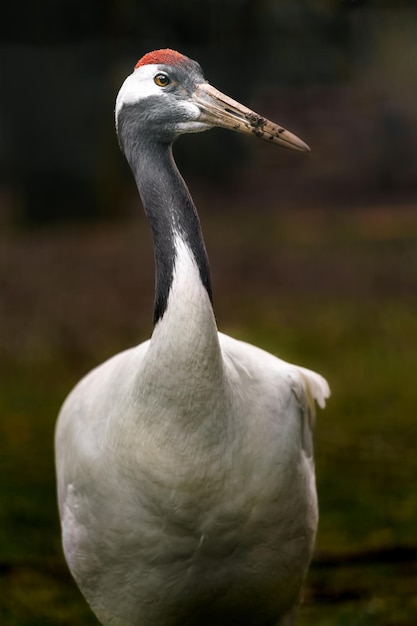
<point x="185" y="472"/>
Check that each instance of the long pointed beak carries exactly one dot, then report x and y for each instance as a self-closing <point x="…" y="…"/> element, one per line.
<point x="217" y="109"/>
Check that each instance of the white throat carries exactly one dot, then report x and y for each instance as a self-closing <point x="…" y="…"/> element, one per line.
<point x="181" y="378"/>
<point x="189" y="314"/>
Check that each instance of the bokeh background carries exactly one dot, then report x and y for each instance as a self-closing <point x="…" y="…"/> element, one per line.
<point x="313" y="257"/>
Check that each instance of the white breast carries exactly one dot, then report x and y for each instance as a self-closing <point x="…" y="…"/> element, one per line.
<point x="167" y="513"/>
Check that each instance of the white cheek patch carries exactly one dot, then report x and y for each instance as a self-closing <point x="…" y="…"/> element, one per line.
<point x="138" y="86"/>
<point x="192" y="126"/>
<point x="192" y="113"/>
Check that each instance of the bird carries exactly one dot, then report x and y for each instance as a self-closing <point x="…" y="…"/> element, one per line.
<point x="184" y="465"/>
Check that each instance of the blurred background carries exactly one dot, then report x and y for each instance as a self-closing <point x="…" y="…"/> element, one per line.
<point x="313" y="257"/>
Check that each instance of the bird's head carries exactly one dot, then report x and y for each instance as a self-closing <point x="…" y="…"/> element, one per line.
<point x="167" y="95"/>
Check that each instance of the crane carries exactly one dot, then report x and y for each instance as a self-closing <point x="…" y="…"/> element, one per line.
<point x="185" y="470"/>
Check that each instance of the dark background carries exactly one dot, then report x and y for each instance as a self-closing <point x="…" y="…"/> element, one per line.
<point x="313" y="257"/>
<point x="341" y="73"/>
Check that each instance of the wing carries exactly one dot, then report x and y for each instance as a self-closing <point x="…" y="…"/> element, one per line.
<point x="306" y="386"/>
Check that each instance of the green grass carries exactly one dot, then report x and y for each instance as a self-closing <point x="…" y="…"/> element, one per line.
<point x="337" y="293"/>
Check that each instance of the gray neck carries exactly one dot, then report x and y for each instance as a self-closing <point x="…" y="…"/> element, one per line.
<point x="167" y="204"/>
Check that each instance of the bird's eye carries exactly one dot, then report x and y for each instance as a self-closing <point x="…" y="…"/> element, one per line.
<point x="162" y="80"/>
